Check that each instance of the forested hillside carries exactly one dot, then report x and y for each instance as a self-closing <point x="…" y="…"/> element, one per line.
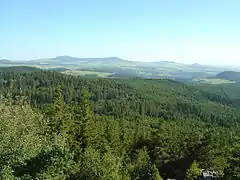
<point x="224" y="90"/>
<point x="19" y="69"/>
<point x="229" y="75"/>
<point x="78" y="128"/>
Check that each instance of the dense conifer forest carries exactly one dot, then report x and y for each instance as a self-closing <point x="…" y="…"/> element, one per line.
<point x="56" y="126"/>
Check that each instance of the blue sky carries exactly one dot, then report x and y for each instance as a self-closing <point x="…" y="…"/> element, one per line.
<point x="203" y="31"/>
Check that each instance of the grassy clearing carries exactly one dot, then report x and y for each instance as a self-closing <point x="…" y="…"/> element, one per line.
<point x="214" y="81"/>
<point x="84" y="73"/>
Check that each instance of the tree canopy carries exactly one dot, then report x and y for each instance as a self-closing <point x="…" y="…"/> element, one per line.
<point x="55" y="126"/>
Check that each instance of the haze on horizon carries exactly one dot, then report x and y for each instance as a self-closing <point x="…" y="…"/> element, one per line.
<point x="201" y="31"/>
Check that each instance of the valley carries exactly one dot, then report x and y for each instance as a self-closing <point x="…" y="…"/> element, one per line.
<point x="115" y="67"/>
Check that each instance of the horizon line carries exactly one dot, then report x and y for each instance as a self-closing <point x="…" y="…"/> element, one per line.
<point x="177" y="62"/>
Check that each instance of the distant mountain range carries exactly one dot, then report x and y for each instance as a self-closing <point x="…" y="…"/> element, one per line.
<point x="5" y="61"/>
<point x="117" y="67"/>
<point x="76" y="60"/>
<point x="106" y="60"/>
<point x="71" y="62"/>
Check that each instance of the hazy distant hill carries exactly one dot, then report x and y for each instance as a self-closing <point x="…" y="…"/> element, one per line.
<point x="74" y="60"/>
<point x="4" y="61"/>
<point x="62" y="60"/>
<point x="229" y="75"/>
<point x="118" y="67"/>
<point x="196" y="65"/>
<point x="58" y="69"/>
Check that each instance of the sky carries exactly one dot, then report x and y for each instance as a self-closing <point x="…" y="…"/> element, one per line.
<point x="188" y="31"/>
